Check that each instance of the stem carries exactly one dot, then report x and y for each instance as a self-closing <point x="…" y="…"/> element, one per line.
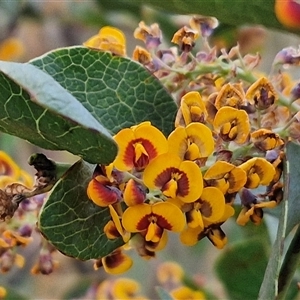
<point x="289" y="266"/>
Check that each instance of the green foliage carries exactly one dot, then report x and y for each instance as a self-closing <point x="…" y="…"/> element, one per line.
<point x="241" y="266"/>
<point x="72" y="222"/>
<point x="117" y="91"/>
<point x="232" y="12"/>
<point x="289" y="218"/>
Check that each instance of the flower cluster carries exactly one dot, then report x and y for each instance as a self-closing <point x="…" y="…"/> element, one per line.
<point x="17" y="232"/>
<point x="170" y="276"/>
<point x="230" y="129"/>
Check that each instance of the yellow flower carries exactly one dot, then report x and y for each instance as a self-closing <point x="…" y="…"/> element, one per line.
<point x="261" y="93"/>
<point x="209" y="207"/>
<point x="170" y="273"/>
<point x="175" y="178"/>
<point x="265" y="139"/>
<point x="153" y="219"/>
<point x="204" y="25"/>
<point x="141" y="55"/>
<point x="121" y="288"/>
<point x="108" y="39"/>
<point x="230" y="95"/>
<point x="259" y="171"/>
<point x="102" y="192"/>
<point x="184" y="292"/>
<point x="232" y="124"/>
<point x="192" y="142"/>
<point x="115" y="263"/>
<point x="190" y="236"/>
<point x="139" y="145"/>
<point x="251" y="208"/>
<point x="185" y="37"/>
<point x="11" y="49"/>
<point x="150" y="35"/>
<point x="226" y="177"/>
<point x="192" y="109"/>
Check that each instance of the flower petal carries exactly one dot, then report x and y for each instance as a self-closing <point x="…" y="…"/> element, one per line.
<point x="101" y="194"/>
<point x="136" y="218"/>
<point x="212" y="204"/>
<point x="117" y="262"/>
<point x="169" y="216"/>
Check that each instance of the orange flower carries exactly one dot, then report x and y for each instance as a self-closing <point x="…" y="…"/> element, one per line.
<point x="192" y="142"/>
<point x="153" y="219"/>
<point x="139" y="145"/>
<point x="115" y="263"/>
<point x="192" y="109"/>
<point x="212" y="230"/>
<point x="185" y="37"/>
<point x="225" y="176"/>
<point x="265" y="139"/>
<point x="108" y="39"/>
<point x="150" y="35"/>
<point x="232" y="124"/>
<point x="259" y="171"/>
<point x="230" y="95"/>
<point x="175" y="178"/>
<point x="261" y="93"/>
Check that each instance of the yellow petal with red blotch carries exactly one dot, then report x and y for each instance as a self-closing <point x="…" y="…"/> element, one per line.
<point x="212" y="204"/>
<point x="136" y="218"/>
<point x="8" y="166"/>
<point x="196" y="134"/>
<point x="217" y="237"/>
<point x="190" y="236"/>
<point x="124" y="161"/>
<point x="158" y="141"/>
<point x="159" y="170"/>
<point x="133" y="193"/>
<point x="117" y="262"/>
<point x="136" y="142"/>
<point x="190" y="188"/>
<point x="100" y="194"/>
<point x="168" y="216"/>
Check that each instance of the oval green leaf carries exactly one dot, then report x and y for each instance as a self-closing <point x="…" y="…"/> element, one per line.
<point x="36" y="108"/>
<point x="72" y="222"/>
<point x="240" y="267"/>
<point x="117" y="91"/>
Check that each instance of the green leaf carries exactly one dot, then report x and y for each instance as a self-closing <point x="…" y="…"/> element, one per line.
<point x="36" y="108"/>
<point x="292" y="186"/>
<point x="229" y="12"/>
<point x="72" y="222"/>
<point x="241" y="267"/>
<point x="290" y="216"/>
<point x="117" y="91"/>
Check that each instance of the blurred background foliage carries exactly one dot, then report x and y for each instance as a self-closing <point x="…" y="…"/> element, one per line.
<point x="30" y="28"/>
